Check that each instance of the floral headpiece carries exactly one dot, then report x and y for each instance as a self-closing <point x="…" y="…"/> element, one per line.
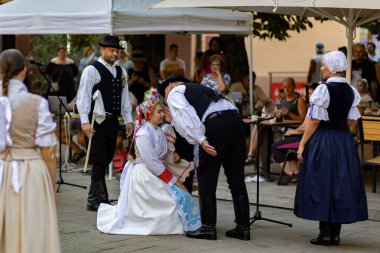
<point x="144" y="110"/>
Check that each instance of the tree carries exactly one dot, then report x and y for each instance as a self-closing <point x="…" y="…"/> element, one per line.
<point x="374" y="27"/>
<point x="265" y="26"/>
<point x="45" y="48"/>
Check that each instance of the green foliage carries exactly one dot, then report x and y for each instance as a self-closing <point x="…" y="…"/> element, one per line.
<point x="278" y="26"/>
<point x="45" y="48"/>
<point x="374" y="27"/>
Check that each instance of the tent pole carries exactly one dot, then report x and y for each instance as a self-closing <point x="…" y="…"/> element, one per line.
<point x="350" y="36"/>
<point x="250" y="73"/>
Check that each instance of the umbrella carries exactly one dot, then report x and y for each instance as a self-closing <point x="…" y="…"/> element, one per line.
<point x="350" y="13"/>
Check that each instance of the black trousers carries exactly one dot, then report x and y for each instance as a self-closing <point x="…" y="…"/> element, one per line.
<point x="226" y="133"/>
<point x="103" y="147"/>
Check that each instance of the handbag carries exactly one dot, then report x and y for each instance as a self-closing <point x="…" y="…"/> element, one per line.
<point x="55" y="85"/>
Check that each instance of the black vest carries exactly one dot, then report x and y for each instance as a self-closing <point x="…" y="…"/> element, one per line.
<point x="341" y="99"/>
<point x="110" y="88"/>
<point x="200" y="97"/>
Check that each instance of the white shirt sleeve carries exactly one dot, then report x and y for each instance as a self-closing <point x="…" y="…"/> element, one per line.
<point x="354" y="112"/>
<point x="319" y="102"/>
<point x="89" y="78"/>
<point x="185" y="118"/>
<point x="126" y="107"/>
<point x="45" y="136"/>
<point x="149" y="156"/>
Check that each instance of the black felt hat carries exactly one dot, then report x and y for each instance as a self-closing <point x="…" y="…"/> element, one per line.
<point x="111" y="41"/>
<point x="171" y="79"/>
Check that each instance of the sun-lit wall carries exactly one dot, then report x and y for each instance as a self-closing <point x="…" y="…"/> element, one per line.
<point x="294" y="54"/>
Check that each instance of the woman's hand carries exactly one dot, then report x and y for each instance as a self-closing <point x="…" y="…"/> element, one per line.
<point x="176" y="157"/>
<point x="180" y="185"/>
<point x="284" y="111"/>
<point x="289" y="133"/>
<point x="300" y="152"/>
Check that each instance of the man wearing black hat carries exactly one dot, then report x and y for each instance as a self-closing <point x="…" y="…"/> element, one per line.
<point x="207" y="118"/>
<point x="111" y="80"/>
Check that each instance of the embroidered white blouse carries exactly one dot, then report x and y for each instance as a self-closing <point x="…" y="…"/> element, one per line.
<point x="17" y="93"/>
<point x="151" y="149"/>
<point x="320" y="100"/>
<point x="45" y="137"/>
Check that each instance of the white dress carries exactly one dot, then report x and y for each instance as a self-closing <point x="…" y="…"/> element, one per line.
<point x="148" y="201"/>
<point x="28" y="219"/>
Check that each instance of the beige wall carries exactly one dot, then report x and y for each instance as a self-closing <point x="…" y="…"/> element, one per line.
<point x="294" y="54"/>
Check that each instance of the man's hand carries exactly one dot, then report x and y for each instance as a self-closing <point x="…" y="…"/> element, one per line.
<point x="88" y="130"/>
<point x="129" y="129"/>
<point x="208" y="148"/>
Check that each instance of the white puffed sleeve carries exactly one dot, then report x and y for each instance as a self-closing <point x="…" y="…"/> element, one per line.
<point x="45" y="136"/>
<point x="354" y="112"/>
<point x="319" y="102"/>
<point x="5" y="123"/>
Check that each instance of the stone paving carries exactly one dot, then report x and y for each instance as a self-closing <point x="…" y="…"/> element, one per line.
<point x="78" y="233"/>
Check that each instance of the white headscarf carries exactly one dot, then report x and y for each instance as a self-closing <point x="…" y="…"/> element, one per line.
<point x="335" y="61"/>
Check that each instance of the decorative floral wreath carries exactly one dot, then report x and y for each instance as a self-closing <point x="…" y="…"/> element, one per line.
<point x="144" y="110"/>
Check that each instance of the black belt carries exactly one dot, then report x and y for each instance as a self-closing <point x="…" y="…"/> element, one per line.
<point x="219" y="113"/>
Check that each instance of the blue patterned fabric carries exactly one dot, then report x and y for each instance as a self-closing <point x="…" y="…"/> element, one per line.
<point x="187" y="209"/>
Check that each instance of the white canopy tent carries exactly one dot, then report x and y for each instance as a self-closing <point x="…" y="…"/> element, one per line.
<point x="115" y="17"/>
<point x="350" y="13"/>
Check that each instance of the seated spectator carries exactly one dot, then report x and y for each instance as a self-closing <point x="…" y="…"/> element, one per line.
<point x="218" y="79"/>
<point x="362" y="87"/>
<point x="293" y="106"/>
<point x="215" y="48"/>
<point x="141" y="76"/>
<point x="259" y="97"/>
<point x="291" y="140"/>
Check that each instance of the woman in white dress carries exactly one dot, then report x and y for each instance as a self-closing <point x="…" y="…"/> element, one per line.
<point x="152" y="201"/>
<point x="28" y="220"/>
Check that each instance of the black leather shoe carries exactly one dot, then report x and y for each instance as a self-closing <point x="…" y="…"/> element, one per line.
<point x="204" y="232"/>
<point x="239" y="233"/>
<point x="326" y="240"/>
<point x="93" y="208"/>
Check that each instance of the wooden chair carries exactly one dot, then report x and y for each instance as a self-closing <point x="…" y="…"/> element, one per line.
<point x="369" y="130"/>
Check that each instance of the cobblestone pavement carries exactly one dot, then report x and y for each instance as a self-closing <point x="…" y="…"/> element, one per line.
<point x="78" y="233"/>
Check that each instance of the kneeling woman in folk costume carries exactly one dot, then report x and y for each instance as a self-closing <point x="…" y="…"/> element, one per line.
<point x="152" y="201"/>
